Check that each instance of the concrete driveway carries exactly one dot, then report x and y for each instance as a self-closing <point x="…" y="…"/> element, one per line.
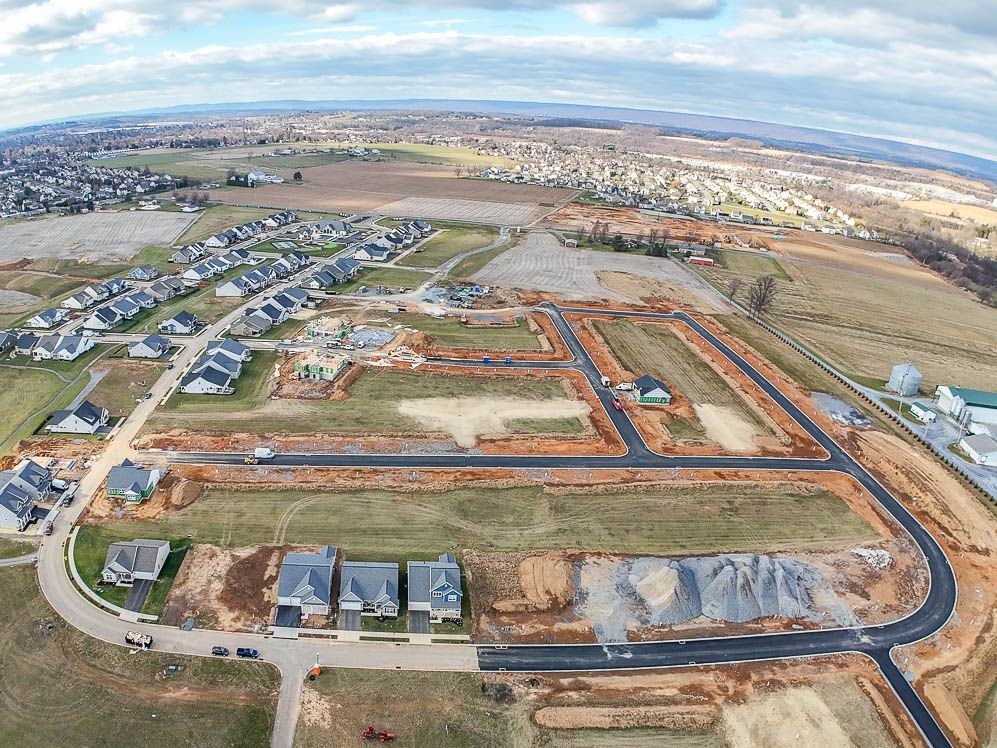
<point x="349" y="620"/>
<point x="418" y="622"/>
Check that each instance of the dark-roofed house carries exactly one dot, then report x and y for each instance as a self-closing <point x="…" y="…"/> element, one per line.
<point x="181" y="323"/>
<point x="434" y="586"/>
<point x="144" y="273"/>
<point x="152" y="346"/>
<point x="651" y="391"/>
<point x="231" y="348"/>
<point x="85" y="418"/>
<point x="251" y="325"/>
<point x="7" y="339"/>
<point x="20" y="488"/>
<point x="369" y="587"/>
<point x="208" y="380"/>
<point x="132" y="482"/>
<point x="47" y="319"/>
<point x="305" y="581"/>
<point x="128" y="561"/>
<point x="25" y="343"/>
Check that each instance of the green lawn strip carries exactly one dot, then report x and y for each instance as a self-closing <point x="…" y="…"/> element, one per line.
<point x="21" y="393"/>
<point x="92" y="542"/>
<point x="38" y="284"/>
<point x="390" y="277"/>
<point x="448" y="243"/>
<point x="15" y="548"/>
<point x="286" y="329"/>
<point x="371" y="408"/>
<point x="400" y="526"/>
<point x="73" y="689"/>
<point x="452" y="333"/>
<point x="123" y="382"/>
<point x="469" y="266"/>
<point x="746" y="262"/>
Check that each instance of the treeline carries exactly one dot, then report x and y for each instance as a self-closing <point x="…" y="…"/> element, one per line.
<point x="964" y="268"/>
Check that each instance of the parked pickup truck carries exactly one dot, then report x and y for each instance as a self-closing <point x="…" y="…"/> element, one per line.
<point x="247" y="652"/>
<point x="137" y="639"/>
<point x="625" y="386"/>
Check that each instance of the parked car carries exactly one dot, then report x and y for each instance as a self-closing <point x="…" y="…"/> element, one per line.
<point x="169" y="366"/>
<point x="59" y="485"/>
<point x="617" y="404"/>
<point x="220" y="651"/>
<point x="247" y="652"/>
<point x="48" y="529"/>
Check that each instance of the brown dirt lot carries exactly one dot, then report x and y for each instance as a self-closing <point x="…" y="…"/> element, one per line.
<point x="231" y="590"/>
<point x="552" y="347"/>
<point x="364" y="186"/>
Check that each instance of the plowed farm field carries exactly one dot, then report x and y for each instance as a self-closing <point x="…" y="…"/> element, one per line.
<point x="424" y="190"/>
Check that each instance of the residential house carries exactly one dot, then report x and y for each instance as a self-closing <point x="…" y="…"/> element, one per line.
<point x="322" y="279"/>
<point x="289" y="303"/>
<point x="129" y="561"/>
<point x="251" y="325"/>
<point x="219" y="241"/>
<point x="371" y="253"/>
<point x="144" y="299"/>
<point x="152" y="346"/>
<point x="105" y="318"/>
<point x="244" y="257"/>
<point x="369" y="587"/>
<point x="97" y="293"/>
<point x="132" y="482"/>
<point x="231" y="348"/>
<point x="85" y="418"/>
<point x="47" y="319"/>
<point x="25" y="344"/>
<point x="305" y="581"/>
<point x="434" y="586"/>
<point x="208" y="381"/>
<point x="78" y="301"/>
<point x="144" y="273"/>
<point x="319" y="365"/>
<point x="20" y="488"/>
<point x="167" y="288"/>
<point x="198" y="273"/>
<point x="651" y="391"/>
<point x="115" y="286"/>
<point x="274" y="312"/>
<point x="348" y="267"/>
<point x="219" y="264"/>
<point x="7" y="340"/>
<point x="237" y="286"/>
<point x="181" y="323"/>
<point x="219" y="361"/>
<point x="187" y="255"/>
<point x="126" y="307"/>
<point x="332" y="229"/>
<point x="61" y="347"/>
<point x="283" y="267"/>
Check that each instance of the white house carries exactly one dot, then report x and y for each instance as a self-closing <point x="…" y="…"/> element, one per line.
<point x="208" y="381"/>
<point x="78" y="301"/>
<point x="104" y="318"/>
<point x="198" y="273"/>
<point x="434" y="586"/>
<point x="20" y="488"/>
<point x="231" y="348"/>
<point x="181" y="323"/>
<point x="47" y="319"/>
<point x="61" y="348"/>
<point x="152" y="346"/>
<point x="85" y="418"/>
<point x="237" y="286"/>
<point x="370" y="253"/>
<point x="129" y="561"/>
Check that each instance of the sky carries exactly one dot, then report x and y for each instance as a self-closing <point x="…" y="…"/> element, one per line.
<point x="918" y="71"/>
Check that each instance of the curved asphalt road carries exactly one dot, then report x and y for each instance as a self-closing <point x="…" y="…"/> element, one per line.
<point x="874" y="641"/>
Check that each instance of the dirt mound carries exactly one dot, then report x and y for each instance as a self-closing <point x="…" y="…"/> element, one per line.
<point x="546" y="582"/>
<point x="615" y="718"/>
<point x="184" y="493"/>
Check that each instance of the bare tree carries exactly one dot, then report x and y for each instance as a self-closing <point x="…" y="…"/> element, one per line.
<point x="761" y="295"/>
<point x="733" y="288"/>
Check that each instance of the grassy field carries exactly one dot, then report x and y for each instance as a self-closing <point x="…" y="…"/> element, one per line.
<point x="864" y="316"/>
<point x="469" y="266"/>
<point x="399" y="526"/>
<point x="124" y="381"/>
<point x="451" y="241"/>
<point x="451" y="333"/>
<point x="390" y="277"/>
<point x="658" y="350"/>
<point x="371" y="408"/>
<point x="13" y="548"/>
<point x="150" y="255"/>
<point x="751" y="264"/>
<point x="61" y="687"/>
<point x="91" y="550"/>
<point x="985" y="718"/>
<point x="213" y="164"/>
<point x="37" y="284"/>
<point x="432" y="154"/>
<point x="218" y="218"/>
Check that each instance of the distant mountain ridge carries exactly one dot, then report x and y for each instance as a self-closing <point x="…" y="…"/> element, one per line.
<point x="803" y="138"/>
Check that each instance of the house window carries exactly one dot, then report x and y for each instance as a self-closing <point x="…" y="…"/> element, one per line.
<point x="451" y="598"/>
<point x="437" y="594"/>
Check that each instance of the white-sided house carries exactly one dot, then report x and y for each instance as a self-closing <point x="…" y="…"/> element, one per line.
<point x="231" y="348"/>
<point x="126" y="307"/>
<point x="85" y="418"/>
<point x="152" y="346"/>
<point x="78" y="301"/>
<point x="981" y="448"/>
<point x="129" y="561"/>
<point x="143" y="298"/>
<point x="207" y="381"/>
<point x="181" y="323"/>
<point x="369" y="587"/>
<point x="370" y="253"/>
<point x="198" y="273"/>
<point x="219" y="361"/>
<point x="47" y="319"/>
<point x="61" y="348"/>
<point x="144" y="273"/>
<point x="105" y="318"/>
<point x="20" y="488"/>
<point x="251" y="325"/>
<point x="332" y="228"/>
<point x="237" y="286"/>
<point x="434" y="586"/>
<point x="305" y="581"/>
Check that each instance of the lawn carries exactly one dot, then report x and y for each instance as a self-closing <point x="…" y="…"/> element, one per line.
<point x="371" y="408"/>
<point x="985" y="717"/>
<point x="658" y="350"/>
<point x="449" y="242"/>
<point x="450" y="332"/>
<point x="432" y="154"/>
<point x="62" y="687"/>
<point x="390" y="277"/>
<point x="37" y="284"/>
<point x="150" y="255"/>
<point x="752" y="264"/>
<point x="218" y="218"/>
<point x="398" y="526"/>
<point x="423" y="709"/>
<point x="91" y="550"/>
<point x="124" y="381"/>
<point x="22" y="393"/>
<point x="865" y="315"/>
<point x="14" y="548"/>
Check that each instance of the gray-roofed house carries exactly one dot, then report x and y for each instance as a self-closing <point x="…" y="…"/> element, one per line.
<point x="251" y="325"/>
<point x="20" y="488"/>
<point x="104" y="318"/>
<point x="132" y="482"/>
<point x="208" y="380"/>
<point x="7" y="339"/>
<point x="128" y="561"/>
<point x="231" y="348"/>
<point x="369" y="587"/>
<point x="305" y="581"/>
<point x="47" y="319"/>
<point x="219" y="361"/>
<point x="152" y="346"/>
<point x="25" y="344"/>
<point x="144" y="273"/>
<point x="434" y="586"/>
<point x="85" y="418"/>
<point x="181" y="323"/>
<point x="651" y="391"/>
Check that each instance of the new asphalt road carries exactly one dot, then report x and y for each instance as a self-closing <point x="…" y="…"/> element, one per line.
<point x="874" y="641"/>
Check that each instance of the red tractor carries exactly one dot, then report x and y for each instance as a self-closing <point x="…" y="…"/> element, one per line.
<point x="372" y="733"/>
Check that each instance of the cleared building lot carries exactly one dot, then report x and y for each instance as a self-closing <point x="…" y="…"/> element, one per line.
<point x="91" y="238"/>
<point x="479" y="211"/>
<point x="540" y="263"/>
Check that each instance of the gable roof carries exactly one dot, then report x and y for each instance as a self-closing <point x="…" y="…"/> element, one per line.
<point x="308" y="576"/>
<point x="155" y="342"/>
<point x="425" y="577"/>
<point x="129" y="477"/>
<point x="647" y="385"/>
<point x="86" y="411"/>
<point x="210" y="374"/>
<point x="368" y="582"/>
<point x="134" y="556"/>
<point x="227" y="345"/>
